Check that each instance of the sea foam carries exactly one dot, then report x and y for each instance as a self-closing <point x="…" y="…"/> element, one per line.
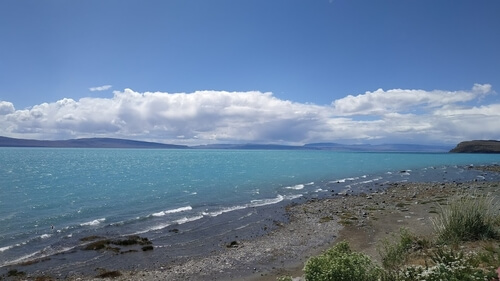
<point x="93" y="223"/>
<point x="177" y="210"/>
<point x="188" y="219"/>
<point x="296" y="187"/>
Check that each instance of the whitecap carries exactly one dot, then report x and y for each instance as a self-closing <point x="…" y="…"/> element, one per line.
<point x="172" y="211"/>
<point x="344" y="180"/>
<point x="253" y="203"/>
<point x="181" y="209"/>
<point x="93" y="223"/>
<point x="264" y="202"/>
<point x="291" y="197"/>
<point x="43" y="236"/>
<point x="3" y="249"/>
<point x="370" y="181"/>
<point x="186" y="219"/>
<point x="296" y="187"/>
<point x="224" y="210"/>
<point x="22" y="259"/>
<point x="157" y="227"/>
<point x="159" y="214"/>
<point x="40" y="254"/>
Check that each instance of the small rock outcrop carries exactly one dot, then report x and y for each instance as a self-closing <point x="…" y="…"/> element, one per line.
<point x="477" y="146"/>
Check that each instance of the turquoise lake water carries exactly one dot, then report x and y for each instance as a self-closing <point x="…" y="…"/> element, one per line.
<point x="50" y="198"/>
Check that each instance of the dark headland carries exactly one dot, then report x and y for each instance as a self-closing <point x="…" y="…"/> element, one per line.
<point x="478" y="146"/>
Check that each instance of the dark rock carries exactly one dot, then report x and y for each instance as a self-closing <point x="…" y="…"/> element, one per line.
<point x="105" y="244"/>
<point x="233" y="244"/>
<point x="129" y="251"/>
<point x="132" y="240"/>
<point x="91" y="238"/>
<point x="15" y="272"/>
<point x="147" y="248"/>
<point x="98" y="245"/>
<point x="109" y="274"/>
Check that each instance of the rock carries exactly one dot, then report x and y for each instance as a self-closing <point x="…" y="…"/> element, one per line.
<point x="109" y="274"/>
<point x="91" y="238"/>
<point x="105" y="244"/>
<point x="98" y="245"/>
<point x="233" y="244"/>
<point x="132" y="240"/>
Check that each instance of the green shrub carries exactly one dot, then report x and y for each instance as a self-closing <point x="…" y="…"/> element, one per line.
<point x="393" y="255"/>
<point x="448" y="265"/>
<point x="341" y="264"/>
<point x="467" y="218"/>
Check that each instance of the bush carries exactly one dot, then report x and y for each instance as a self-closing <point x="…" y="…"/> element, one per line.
<point x="467" y="218"/>
<point x="448" y="265"/>
<point x="393" y="255"/>
<point x="341" y="264"/>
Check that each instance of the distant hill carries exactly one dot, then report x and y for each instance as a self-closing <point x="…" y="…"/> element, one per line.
<point x="335" y="147"/>
<point x="380" y="147"/>
<point x="85" y="143"/>
<point x="251" y="146"/>
<point x="477" y="146"/>
<point x="124" y="143"/>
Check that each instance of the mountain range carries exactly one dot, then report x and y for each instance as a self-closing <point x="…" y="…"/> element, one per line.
<point x="125" y="143"/>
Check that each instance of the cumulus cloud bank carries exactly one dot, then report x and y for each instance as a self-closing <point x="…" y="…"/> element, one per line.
<point x="415" y="116"/>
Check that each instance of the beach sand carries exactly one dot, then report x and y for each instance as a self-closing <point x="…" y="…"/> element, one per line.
<point x="363" y="220"/>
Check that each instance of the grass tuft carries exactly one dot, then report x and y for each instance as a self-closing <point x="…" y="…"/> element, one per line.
<point x="466" y="218"/>
<point x="393" y="255"/>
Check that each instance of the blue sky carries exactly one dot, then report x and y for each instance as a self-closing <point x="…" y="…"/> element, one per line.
<point x="310" y="54"/>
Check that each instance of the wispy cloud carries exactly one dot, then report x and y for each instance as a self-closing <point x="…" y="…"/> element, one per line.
<point x="398" y="115"/>
<point x="100" y="88"/>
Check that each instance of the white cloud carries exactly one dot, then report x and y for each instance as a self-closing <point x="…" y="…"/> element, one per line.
<point x="6" y="107"/>
<point x="381" y="102"/>
<point x="100" y="88"/>
<point x="415" y="116"/>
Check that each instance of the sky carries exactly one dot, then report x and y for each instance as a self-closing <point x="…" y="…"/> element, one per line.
<point x="251" y="71"/>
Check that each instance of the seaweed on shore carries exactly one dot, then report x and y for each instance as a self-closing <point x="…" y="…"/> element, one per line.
<point x="15" y="272"/>
<point x="110" y="274"/>
<point x="105" y="244"/>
